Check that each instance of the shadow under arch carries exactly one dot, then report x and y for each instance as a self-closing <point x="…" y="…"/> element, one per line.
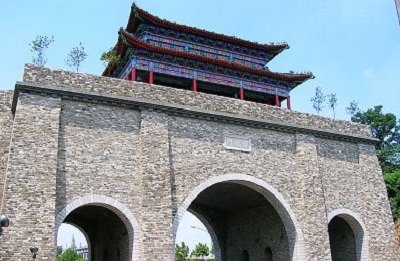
<point x="126" y="216"/>
<point x="273" y="196"/>
<point x="360" y="232"/>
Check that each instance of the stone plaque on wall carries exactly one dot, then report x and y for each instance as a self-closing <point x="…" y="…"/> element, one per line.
<point x="237" y="143"/>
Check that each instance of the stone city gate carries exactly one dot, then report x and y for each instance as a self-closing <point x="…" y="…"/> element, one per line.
<point x="124" y="161"/>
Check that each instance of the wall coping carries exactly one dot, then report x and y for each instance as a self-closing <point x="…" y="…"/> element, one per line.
<point x="180" y="110"/>
<point x="99" y="84"/>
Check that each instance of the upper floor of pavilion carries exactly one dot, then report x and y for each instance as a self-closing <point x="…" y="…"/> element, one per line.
<point x="158" y="51"/>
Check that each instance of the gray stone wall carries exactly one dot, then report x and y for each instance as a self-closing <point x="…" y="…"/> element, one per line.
<point x="153" y="162"/>
<point x="6" y="121"/>
<point x="287" y="162"/>
<point x="360" y="188"/>
<point x="98" y="155"/>
<point x="106" y="85"/>
<point x="30" y="199"/>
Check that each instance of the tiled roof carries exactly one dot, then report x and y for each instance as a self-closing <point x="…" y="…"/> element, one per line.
<point x="138" y="43"/>
<point x="137" y="12"/>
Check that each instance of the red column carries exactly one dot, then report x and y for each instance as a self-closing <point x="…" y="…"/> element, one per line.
<point x="277" y="103"/>
<point x="151" y="77"/>
<point x="241" y="93"/>
<point x="194" y="85"/>
<point x="289" y="106"/>
<point x="133" y="74"/>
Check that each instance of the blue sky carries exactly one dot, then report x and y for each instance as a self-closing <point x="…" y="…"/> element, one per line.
<point x="352" y="46"/>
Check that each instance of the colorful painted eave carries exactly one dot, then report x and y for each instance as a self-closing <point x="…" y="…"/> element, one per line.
<point x="131" y="40"/>
<point x="136" y="13"/>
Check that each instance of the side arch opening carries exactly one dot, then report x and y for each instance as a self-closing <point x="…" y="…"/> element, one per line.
<point x="348" y="237"/>
<point x="110" y="227"/>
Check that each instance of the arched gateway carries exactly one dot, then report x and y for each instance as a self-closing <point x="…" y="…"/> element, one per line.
<point x="291" y="228"/>
<point x="348" y="236"/>
<point x="162" y="132"/>
<point x="109" y="226"/>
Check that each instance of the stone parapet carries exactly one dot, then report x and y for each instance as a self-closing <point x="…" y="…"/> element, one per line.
<point x="213" y="103"/>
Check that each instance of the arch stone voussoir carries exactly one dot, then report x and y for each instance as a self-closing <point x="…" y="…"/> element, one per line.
<point x="275" y="198"/>
<point x="115" y="206"/>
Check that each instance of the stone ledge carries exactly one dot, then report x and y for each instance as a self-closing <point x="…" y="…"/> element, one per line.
<point x="180" y="110"/>
<point x="118" y="87"/>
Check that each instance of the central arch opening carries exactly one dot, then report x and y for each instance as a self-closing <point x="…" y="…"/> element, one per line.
<point x="243" y="224"/>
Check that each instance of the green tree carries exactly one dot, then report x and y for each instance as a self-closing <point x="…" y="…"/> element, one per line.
<point x="76" y="57"/>
<point x="200" y="250"/>
<point x="384" y="125"/>
<point x="181" y="251"/>
<point x="392" y="181"/>
<point x="110" y="57"/>
<point x="59" y="250"/>
<point x="38" y="48"/>
<point x="386" y="129"/>
<point x="318" y="100"/>
<point x="353" y="108"/>
<point x="70" y="255"/>
<point x="332" y="102"/>
<point x="212" y="251"/>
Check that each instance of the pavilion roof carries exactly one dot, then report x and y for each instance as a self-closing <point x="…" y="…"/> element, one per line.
<point x="136" y="12"/>
<point x="127" y="39"/>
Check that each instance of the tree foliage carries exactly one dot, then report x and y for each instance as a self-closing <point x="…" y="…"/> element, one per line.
<point x="38" y="48"/>
<point x="200" y="250"/>
<point x="318" y="100"/>
<point x="386" y="129"/>
<point x="59" y="250"/>
<point x="181" y="252"/>
<point x="110" y="57"/>
<point x="384" y="125"/>
<point x="70" y="255"/>
<point x="332" y="102"/>
<point x="76" y="57"/>
<point x="353" y="108"/>
<point x="392" y="181"/>
<point x="212" y="251"/>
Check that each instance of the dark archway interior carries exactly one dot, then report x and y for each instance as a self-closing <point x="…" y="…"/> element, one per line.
<point x="268" y="254"/>
<point x="342" y="240"/>
<point x="107" y="234"/>
<point x="245" y="256"/>
<point x="243" y="221"/>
